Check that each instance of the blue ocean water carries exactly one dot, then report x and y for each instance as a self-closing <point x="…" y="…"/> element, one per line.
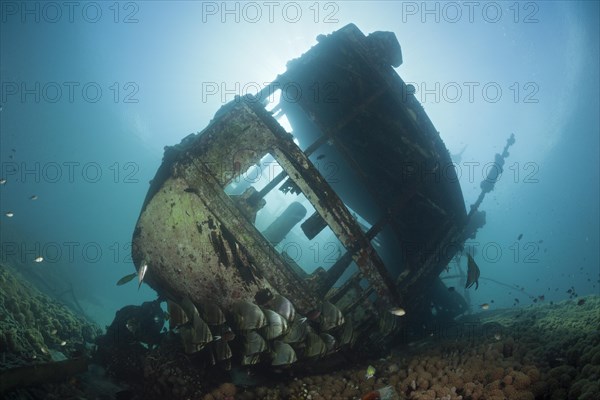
<point x="92" y="91"/>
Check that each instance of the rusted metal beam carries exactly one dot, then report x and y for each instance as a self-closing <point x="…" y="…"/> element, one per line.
<point x="257" y="196"/>
<point x="330" y="207"/>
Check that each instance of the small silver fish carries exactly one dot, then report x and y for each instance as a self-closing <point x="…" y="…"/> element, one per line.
<point x="126" y="279"/>
<point x="63" y="343"/>
<point x="484" y="306"/>
<point x="39" y="259"/>
<point x="398" y="311"/>
<point x="33" y="197"/>
<point x="2" y="181"/>
<point x="9" y="214"/>
<point x="141" y="274"/>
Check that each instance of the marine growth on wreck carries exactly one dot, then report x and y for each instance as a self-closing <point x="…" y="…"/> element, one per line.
<point x="308" y="243"/>
<point x="389" y="228"/>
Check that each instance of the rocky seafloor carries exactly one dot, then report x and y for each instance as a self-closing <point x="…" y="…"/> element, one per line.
<point x="37" y="330"/>
<point x="538" y="352"/>
<point x="33" y="325"/>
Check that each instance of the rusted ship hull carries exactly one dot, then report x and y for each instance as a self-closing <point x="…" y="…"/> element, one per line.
<point x="395" y="209"/>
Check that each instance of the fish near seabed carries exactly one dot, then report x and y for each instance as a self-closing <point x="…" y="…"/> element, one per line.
<point x="370" y="372"/>
<point x="472" y="273"/>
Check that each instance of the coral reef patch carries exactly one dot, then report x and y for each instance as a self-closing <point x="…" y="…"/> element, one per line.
<point x="35" y="329"/>
<point x="539" y="352"/>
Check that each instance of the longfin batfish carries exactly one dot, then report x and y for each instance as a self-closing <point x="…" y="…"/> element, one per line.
<point x="472" y="273"/>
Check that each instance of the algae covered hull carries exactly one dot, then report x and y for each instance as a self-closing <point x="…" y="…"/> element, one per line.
<point x="362" y="171"/>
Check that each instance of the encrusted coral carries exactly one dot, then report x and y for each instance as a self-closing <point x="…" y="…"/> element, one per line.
<point x="518" y="366"/>
<point x="33" y="325"/>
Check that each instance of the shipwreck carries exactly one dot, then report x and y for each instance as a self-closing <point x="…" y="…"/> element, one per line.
<point x="287" y="230"/>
